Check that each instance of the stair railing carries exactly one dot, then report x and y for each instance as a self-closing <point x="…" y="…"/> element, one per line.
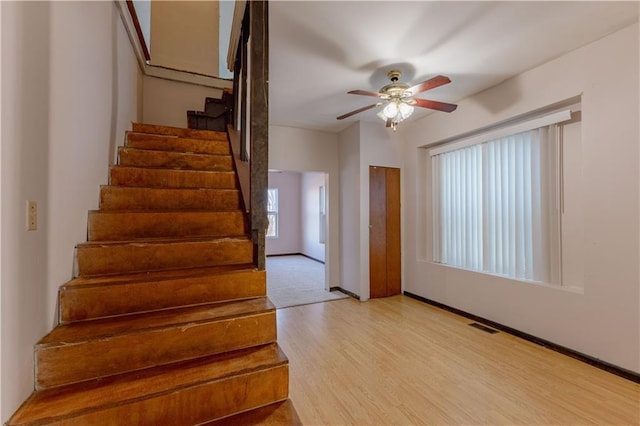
<point x="249" y="128"/>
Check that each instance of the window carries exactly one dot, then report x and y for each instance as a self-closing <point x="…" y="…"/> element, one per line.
<point x="496" y="204"/>
<point x="322" y="231"/>
<point x="272" y="212"/>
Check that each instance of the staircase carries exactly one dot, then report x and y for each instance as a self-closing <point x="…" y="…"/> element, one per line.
<point x="167" y="321"/>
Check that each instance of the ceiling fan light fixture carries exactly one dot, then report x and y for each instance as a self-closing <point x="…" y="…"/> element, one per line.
<point x="395" y="112"/>
<point x="405" y="110"/>
<point x="391" y="110"/>
<point x="400" y="101"/>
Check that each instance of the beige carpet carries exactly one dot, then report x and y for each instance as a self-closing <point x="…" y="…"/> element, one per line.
<point x="297" y="280"/>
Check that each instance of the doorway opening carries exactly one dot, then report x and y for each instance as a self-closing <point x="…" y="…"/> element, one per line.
<point x="296" y="244"/>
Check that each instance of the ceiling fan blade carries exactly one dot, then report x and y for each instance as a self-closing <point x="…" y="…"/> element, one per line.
<point x="359" y="110"/>
<point x="432" y="83"/>
<point x="365" y="93"/>
<point x="440" y="106"/>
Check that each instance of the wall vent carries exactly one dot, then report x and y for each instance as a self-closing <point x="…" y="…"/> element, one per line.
<point x="483" y="328"/>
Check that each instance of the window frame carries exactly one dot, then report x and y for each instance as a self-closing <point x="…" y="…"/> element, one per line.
<point x="272" y="212"/>
<point x="554" y="276"/>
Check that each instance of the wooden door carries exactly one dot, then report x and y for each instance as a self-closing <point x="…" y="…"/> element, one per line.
<point x="384" y="231"/>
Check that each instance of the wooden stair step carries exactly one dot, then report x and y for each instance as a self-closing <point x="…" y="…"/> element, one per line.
<point x="129" y="225"/>
<point x="280" y="413"/>
<point x="88" y="350"/>
<point x="165" y="178"/>
<point x="178" y="131"/>
<point x="168" y="320"/>
<point x="187" y="393"/>
<point x="90" y="298"/>
<point x="144" y="141"/>
<point x="137" y="198"/>
<point x="122" y="257"/>
<point x="134" y="157"/>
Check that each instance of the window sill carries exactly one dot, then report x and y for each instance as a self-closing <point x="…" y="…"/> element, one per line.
<point x="567" y="288"/>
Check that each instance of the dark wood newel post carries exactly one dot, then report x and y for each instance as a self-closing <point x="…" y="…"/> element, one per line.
<point x="259" y="127"/>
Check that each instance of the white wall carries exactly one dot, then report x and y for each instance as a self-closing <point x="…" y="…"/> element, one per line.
<point x="289" y="213"/>
<point x="602" y="320"/>
<point x="362" y="145"/>
<point x="70" y="88"/>
<point x="184" y="35"/>
<point x="298" y="212"/>
<point x="166" y="102"/>
<point x="25" y="150"/>
<point x="309" y="150"/>
<point x="349" y="143"/>
<point x="379" y="146"/>
<point x="310" y="212"/>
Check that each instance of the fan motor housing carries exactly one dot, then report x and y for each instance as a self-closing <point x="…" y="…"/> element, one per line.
<point x="394" y="90"/>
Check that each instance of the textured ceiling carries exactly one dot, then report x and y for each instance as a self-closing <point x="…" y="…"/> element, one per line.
<point x="319" y="50"/>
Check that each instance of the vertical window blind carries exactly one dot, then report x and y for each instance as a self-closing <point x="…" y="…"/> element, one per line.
<point x="495" y="205"/>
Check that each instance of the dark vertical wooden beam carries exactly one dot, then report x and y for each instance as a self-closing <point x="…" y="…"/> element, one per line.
<point x="236" y="88"/>
<point x="259" y="126"/>
<point x="244" y="127"/>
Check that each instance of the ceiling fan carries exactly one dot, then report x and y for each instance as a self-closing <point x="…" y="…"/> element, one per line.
<point x="399" y="99"/>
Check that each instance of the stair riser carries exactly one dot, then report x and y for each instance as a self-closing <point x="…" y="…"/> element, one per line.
<point x="127" y="226"/>
<point x="278" y="413"/>
<point x="120" y="353"/>
<point x="194" y="404"/>
<point x="160" y="178"/>
<point x="169" y="321"/>
<point x="178" y="131"/>
<point x="80" y="303"/>
<point x="123" y="198"/>
<point x="172" y="144"/>
<point x="137" y="257"/>
<point x="174" y="160"/>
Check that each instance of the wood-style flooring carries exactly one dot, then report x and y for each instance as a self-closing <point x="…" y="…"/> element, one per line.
<point x="399" y="361"/>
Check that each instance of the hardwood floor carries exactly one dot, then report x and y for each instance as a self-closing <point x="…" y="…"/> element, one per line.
<point x="399" y="361"/>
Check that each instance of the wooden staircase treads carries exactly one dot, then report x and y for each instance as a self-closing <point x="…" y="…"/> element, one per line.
<point x="88" y="350"/>
<point x="168" y="320"/>
<point x="135" y="198"/>
<point x="174" y="160"/>
<point x="280" y="413"/>
<point x="103" y="258"/>
<point x="165" y="178"/>
<point x="184" y="393"/>
<point x="128" y="225"/>
<point x="86" y="298"/>
<point x="177" y="131"/>
<point x="144" y="141"/>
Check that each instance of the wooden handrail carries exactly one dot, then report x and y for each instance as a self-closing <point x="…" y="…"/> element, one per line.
<point x="136" y="24"/>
